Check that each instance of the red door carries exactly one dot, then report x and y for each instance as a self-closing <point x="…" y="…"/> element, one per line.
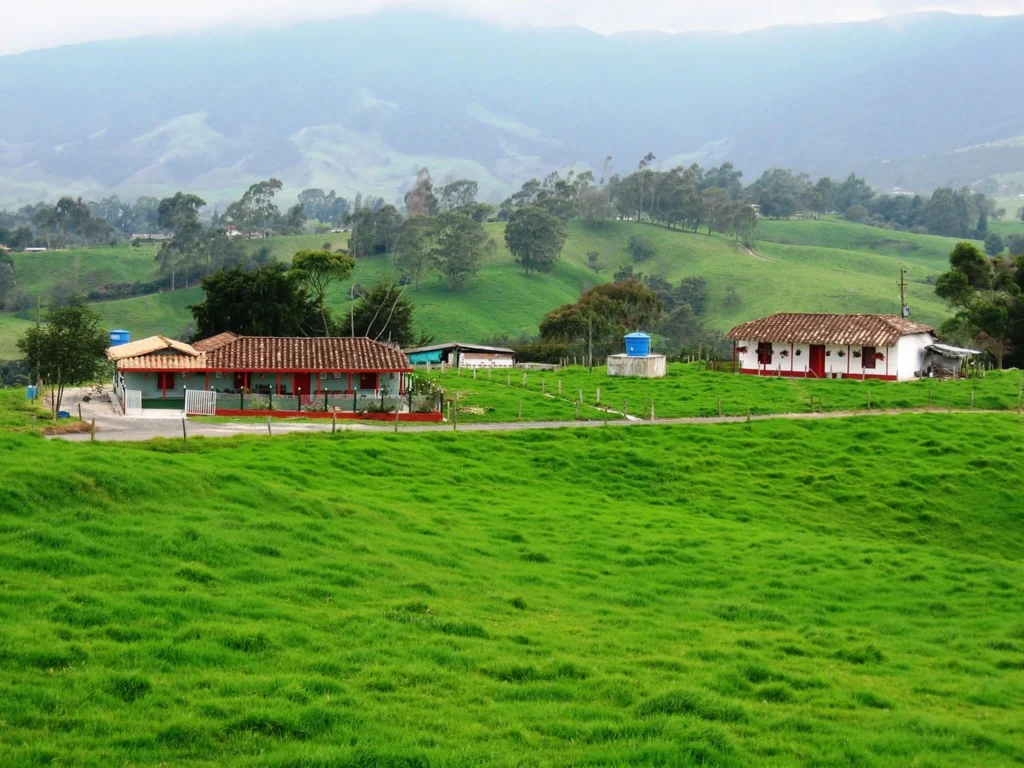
<point x="300" y="385"/>
<point x="817" y="361"/>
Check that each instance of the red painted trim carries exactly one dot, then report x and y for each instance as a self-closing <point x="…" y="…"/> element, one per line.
<point x="410" y="417"/>
<point x="262" y="370"/>
<point x="808" y="375"/>
<point x="792" y="357"/>
<point x="848" y="356"/>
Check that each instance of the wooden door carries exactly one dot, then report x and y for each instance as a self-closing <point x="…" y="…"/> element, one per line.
<point x="817" y="360"/>
<point x="300" y="385"/>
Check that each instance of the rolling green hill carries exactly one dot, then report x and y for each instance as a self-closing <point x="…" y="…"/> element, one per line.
<point x="788" y="594"/>
<point x="814" y="266"/>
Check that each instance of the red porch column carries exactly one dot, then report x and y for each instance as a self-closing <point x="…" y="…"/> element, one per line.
<point x="278" y="384"/>
<point x="848" y="356"/>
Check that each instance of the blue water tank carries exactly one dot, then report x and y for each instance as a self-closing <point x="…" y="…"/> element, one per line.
<point x="638" y="344"/>
<point x="117" y="338"/>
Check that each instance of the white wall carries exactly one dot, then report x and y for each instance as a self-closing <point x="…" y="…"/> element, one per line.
<point x="911" y="353"/>
<point x="840" y="359"/>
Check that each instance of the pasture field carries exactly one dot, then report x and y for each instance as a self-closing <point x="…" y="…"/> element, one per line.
<point x="11" y="329"/>
<point x="815" y="593"/>
<point x="688" y="391"/>
<point x="18" y="414"/>
<point x="827" y="265"/>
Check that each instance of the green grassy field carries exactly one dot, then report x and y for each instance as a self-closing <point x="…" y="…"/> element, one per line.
<point x="690" y="392"/>
<point x="814" y="266"/>
<point x="813" y="594"/>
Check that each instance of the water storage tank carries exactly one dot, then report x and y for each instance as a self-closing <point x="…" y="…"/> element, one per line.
<point x="117" y="338"/>
<point x="638" y="345"/>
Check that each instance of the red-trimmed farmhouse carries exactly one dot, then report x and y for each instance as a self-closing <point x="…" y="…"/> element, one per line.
<point x="265" y="374"/>
<point x="833" y="346"/>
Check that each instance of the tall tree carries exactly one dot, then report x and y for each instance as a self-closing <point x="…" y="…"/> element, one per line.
<point x="385" y="313"/>
<point x="459" y="246"/>
<point x="317" y="271"/>
<point x="68" y="350"/>
<point x="268" y="301"/>
<point x="256" y="210"/>
<point x="990" y="306"/>
<point x="414" y="247"/>
<point x="535" y="238"/>
<point x="420" y="200"/>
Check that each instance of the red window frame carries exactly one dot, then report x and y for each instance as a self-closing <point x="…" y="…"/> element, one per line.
<point x="165" y="380"/>
<point x="868" y="357"/>
<point x="764" y="353"/>
<point x="368" y="381"/>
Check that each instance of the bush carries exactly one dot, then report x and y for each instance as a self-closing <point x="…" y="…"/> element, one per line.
<point x="640" y="248"/>
<point x="856" y="213"/>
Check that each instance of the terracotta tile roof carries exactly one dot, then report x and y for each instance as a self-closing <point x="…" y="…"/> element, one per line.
<point x="861" y="330"/>
<point x="216" y="342"/>
<point x="163" y="363"/>
<point x="254" y="353"/>
<point x="266" y="353"/>
<point x="148" y="346"/>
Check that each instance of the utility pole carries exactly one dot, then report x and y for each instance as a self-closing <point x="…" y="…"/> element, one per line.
<point x="904" y="309"/>
<point x="352" y="308"/>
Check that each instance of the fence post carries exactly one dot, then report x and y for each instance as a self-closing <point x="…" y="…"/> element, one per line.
<point x="719" y="405"/>
<point x="241" y="401"/>
<point x="625" y="411"/>
<point x="474" y="374"/>
<point x="269" y="432"/>
<point x="508" y="379"/>
<point x="92" y="431"/>
<point x="542" y="387"/>
<point x="972" y="397"/>
<point x="334" y="422"/>
<point x="652" y="410"/>
<point x="581" y="395"/>
<point x="397" y="411"/>
<point x="79" y="411"/>
<point x="184" y="431"/>
<point x="524" y="380"/>
<point x="520" y="409"/>
<point x="355" y="401"/>
<point x="597" y="397"/>
<point x="559" y="387"/>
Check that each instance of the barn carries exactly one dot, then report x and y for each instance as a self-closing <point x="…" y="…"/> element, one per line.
<point x="826" y="346"/>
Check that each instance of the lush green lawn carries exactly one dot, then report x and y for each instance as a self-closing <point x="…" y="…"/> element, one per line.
<point x="814" y="266"/>
<point x="11" y="329"/>
<point x="690" y="392"/>
<point x="826" y="593"/>
<point x="18" y="414"/>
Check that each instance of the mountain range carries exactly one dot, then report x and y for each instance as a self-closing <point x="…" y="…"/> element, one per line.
<point x="360" y="104"/>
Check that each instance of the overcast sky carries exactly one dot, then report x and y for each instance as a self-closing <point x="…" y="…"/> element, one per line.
<point x="29" y="24"/>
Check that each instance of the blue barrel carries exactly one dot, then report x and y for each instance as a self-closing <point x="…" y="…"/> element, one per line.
<point x="117" y="338"/>
<point x="638" y="345"/>
<point x="32" y="392"/>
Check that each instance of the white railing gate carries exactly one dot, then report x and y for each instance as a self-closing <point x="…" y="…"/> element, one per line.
<point x="132" y="402"/>
<point x="199" y="402"/>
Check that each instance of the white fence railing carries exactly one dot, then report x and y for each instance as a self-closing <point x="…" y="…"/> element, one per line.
<point x="132" y="402"/>
<point x="200" y="402"/>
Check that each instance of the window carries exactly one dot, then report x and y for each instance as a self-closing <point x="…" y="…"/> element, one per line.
<point x="764" y="353"/>
<point x="165" y="381"/>
<point x="368" y="381"/>
<point x="867" y="357"/>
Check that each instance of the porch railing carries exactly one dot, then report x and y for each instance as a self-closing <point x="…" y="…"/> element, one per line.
<point x="358" y="402"/>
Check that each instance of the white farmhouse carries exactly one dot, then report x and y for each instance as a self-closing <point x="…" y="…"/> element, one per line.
<point x="822" y="346"/>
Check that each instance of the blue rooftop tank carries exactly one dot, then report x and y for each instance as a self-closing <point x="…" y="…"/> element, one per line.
<point x="638" y="345"/>
<point x="119" y="337"/>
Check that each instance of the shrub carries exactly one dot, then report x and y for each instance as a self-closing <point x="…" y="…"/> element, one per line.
<point x="856" y="213"/>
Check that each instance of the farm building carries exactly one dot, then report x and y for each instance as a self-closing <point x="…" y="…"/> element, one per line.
<point x="263" y="374"/>
<point x="461" y="355"/>
<point x="823" y="346"/>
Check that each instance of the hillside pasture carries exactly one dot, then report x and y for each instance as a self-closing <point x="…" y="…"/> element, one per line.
<point x="689" y="392"/>
<point x="826" y="593"/>
<point x="813" y="266"/>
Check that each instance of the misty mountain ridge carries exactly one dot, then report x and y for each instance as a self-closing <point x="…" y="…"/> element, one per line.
<point x="360" y="104"/>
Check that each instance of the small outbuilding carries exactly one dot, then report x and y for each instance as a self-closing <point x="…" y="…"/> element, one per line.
<point x="638" y="362"/>
<point x="460" y="355"/>
<point x="826" y="346"/>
